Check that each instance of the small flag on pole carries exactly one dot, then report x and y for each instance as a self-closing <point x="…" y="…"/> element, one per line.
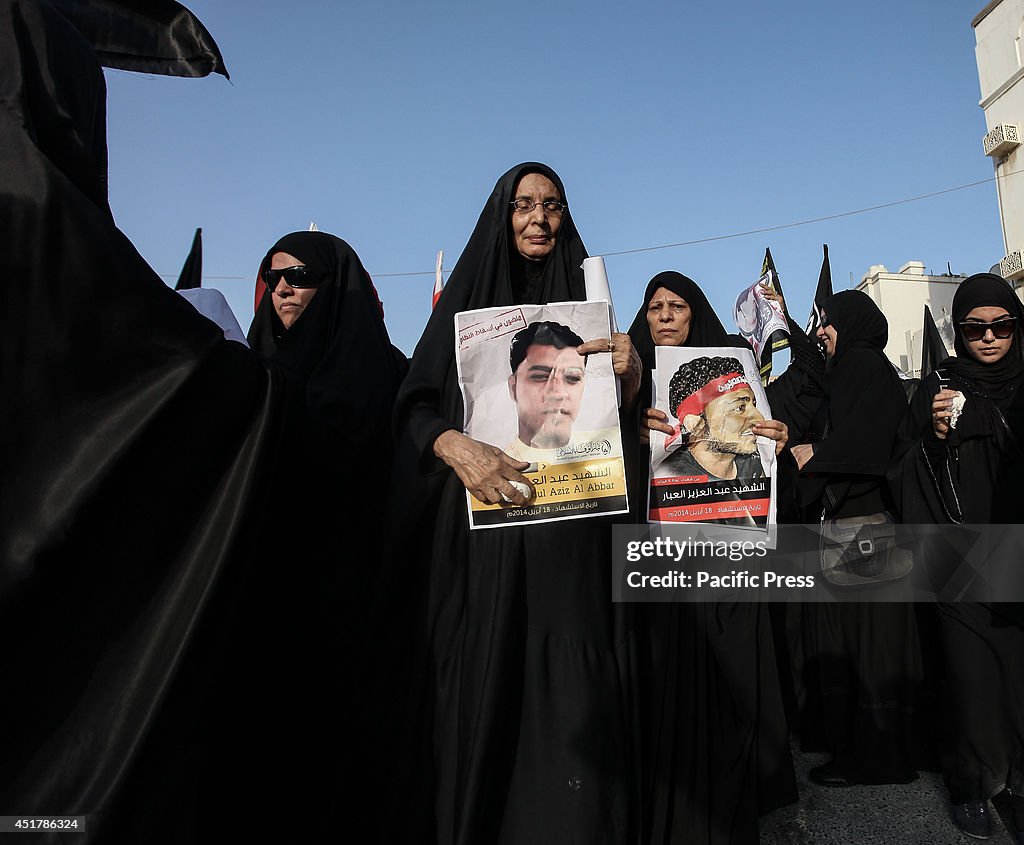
<point x="192" y="270"/>
<point x="760" y="320"/>
<point x="438" y="279"/>
<point x="933" y="350"/>
<point x="821" y="293"/>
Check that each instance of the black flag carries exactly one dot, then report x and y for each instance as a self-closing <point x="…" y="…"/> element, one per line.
<point x="149" y="36"/>
<point x="933" y="350"/>
<point x="778" y="339"/>
<point x="192" y="270"/>
<point x="823" y="292"/>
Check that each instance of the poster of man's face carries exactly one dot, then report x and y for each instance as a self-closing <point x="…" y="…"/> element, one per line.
<point x="547" y="383"/>
<point x="716" y="408"/>
<point x="524" y="383"/>
<point x="528" y="392"/>
<point x="713" y="467"/>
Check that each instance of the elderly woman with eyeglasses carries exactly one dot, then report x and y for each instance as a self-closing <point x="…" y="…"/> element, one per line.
<point x="526" y="672"/>
<point x="960" y="460"/>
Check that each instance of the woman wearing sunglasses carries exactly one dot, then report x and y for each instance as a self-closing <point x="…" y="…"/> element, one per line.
<point x="321" y="327"/>
<point x="960" y="460"/>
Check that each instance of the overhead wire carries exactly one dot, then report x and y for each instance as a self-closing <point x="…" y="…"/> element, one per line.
<point x="712" y="238"/>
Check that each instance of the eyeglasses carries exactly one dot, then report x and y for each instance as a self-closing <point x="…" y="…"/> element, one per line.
<point x="825" y="321"/>
<point x="1000" y="329"/>
<point x="525" y="206"/>
<point x="299" y="276"/>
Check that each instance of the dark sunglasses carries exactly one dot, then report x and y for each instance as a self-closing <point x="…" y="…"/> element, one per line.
<point x="1001" y="329"/>
<point x="825" y="321"/>
<point x="299" y="276"/>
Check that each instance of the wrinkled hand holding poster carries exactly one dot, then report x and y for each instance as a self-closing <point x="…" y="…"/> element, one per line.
<point x="712" y="469"/>
<point x="527" y="391"/>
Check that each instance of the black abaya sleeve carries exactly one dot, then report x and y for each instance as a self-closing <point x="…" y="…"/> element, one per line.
<point x="796" y="394"/>
<point x="866" y="404"/>
<point x="138" y="443"/>
<point x="922" y="473"/>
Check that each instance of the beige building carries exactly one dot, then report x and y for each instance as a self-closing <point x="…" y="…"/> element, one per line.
<point x="902" y="296"/>
<point x="999" y="35"/>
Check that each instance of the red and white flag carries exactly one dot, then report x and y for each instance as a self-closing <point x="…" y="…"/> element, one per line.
<point x="438" y="280"/>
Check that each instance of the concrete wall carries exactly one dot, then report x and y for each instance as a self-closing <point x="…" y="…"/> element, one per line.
<point x="999" y="33"/>
<point x="902" y="296"/>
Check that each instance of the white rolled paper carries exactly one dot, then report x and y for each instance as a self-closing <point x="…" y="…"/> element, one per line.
<point x="595" y="276"/>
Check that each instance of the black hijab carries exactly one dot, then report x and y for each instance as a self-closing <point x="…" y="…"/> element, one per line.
<point x="996" y="381"/>
<point x="705" y="327"/>
<point x="858" y="322"/>
<point x="865" y="400"/>
<point x="490" y="272"/>
<point x="337" y="355"/>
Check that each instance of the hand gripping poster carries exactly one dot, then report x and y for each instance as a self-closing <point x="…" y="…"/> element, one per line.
<point x="712" y="468"/>
<point x="529" y="392"/>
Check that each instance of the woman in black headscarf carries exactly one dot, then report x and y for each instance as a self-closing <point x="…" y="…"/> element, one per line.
<point x="526" y="664"/>
<point x="960" y="460"/>
<point x="320" y="325"/>
<point x="862" y="656"/>
<point x="715" y="750"/>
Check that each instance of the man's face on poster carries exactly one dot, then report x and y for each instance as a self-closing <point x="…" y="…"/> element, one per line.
<point x="547" y="388"/>
<point x="728" y="422"/>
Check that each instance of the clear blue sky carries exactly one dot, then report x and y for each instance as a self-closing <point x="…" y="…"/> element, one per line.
<point x="388" y="124"/>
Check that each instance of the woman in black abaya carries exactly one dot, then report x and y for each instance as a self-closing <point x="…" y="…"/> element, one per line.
<point x="715" y="750"/>
<point x="327" y="335"/>
<point x="528" y="665"/>
<point x="968" y="470"/>
<point x="862" y="657"/>
<point x="320" y="326"/>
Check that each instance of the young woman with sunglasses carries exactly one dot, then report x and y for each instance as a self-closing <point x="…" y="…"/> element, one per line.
<point x="959" y="460"/>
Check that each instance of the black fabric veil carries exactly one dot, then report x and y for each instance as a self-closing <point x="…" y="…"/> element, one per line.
<point x="146" y="36"/>
<point x="142" y="437"/>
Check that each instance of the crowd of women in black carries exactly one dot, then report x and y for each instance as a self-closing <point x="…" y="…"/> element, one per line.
<point x="239" y="590"/>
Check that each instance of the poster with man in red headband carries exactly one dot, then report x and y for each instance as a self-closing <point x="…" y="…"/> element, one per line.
<point x="713" y="467"/>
